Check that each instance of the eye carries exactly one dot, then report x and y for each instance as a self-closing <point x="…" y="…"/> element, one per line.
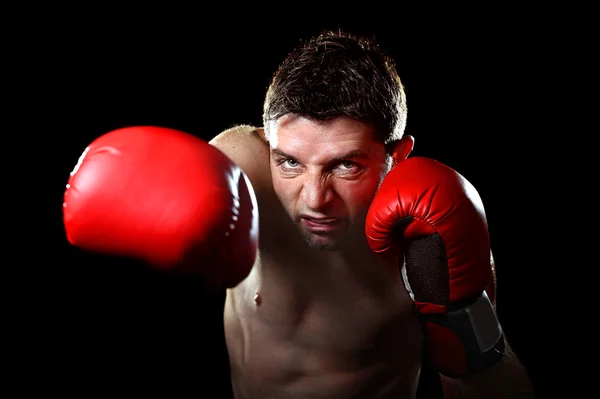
<point x="347" y="164"/>
<point x="290" y="163"/>
<point x="348" y="168"/>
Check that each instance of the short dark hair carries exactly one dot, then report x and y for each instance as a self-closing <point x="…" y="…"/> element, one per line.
<point x="339" y="74"/>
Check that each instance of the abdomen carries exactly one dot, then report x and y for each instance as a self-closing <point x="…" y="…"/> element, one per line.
<point x="328" y="351"/>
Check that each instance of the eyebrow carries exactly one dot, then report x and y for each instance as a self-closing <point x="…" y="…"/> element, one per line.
<point x="352" y="155"/>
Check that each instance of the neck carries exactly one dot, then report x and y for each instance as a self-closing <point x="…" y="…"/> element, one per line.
<point x="311" y="273"/>
<point x="355" y="258"/>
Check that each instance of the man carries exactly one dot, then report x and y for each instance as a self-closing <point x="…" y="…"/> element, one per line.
<point x="342" y="256"/>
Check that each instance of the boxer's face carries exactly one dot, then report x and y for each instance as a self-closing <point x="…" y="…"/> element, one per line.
<point x="326" y="176"/>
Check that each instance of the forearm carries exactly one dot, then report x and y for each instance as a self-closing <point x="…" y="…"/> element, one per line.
<point x="505" y="379"/>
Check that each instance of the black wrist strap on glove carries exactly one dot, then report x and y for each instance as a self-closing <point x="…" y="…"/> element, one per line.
<point x="477" y="327"/>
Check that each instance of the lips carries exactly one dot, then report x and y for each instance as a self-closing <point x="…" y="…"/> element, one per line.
<point x="321" y="224"/>
<point x="320" y="220"/>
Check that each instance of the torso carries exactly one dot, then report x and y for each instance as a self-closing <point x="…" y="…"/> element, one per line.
<point x="325" y="338"/>
<point x="306" y="325"/>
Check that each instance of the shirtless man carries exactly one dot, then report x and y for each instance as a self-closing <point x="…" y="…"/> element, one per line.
<point x="324" y="231"/>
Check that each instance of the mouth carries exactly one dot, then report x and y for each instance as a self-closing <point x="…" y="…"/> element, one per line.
<point x="321" y="225"/>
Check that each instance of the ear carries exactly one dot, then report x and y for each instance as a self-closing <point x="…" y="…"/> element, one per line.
<point x="403" y="148"/>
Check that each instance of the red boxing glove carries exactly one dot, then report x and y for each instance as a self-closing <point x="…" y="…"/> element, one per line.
<point x="431" y="220"/>
<point x="166" y="198"/>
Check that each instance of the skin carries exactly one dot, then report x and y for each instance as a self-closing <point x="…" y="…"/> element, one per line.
<point x="325" y="177"/>
<point x="320" y="315"/>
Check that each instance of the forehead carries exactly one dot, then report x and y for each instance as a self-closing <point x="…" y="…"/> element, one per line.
<point x="299" y="136"/>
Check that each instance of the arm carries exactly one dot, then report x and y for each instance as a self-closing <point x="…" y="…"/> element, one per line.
<point x="248" y="148"/>
<point x="505" y="379"/>
<point x="432" y="217"/>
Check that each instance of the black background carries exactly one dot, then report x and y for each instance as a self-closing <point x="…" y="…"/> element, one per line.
<point x="115" y="327"/>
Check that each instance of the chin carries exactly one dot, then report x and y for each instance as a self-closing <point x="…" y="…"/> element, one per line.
<point x="325" y="247"/>
<point x="321" y="243"/>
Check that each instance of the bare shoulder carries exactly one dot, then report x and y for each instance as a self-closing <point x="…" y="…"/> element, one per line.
<point x="247" y="147"/>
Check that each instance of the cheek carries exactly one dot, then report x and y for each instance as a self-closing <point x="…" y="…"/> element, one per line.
<point x="277" y="183"/>
<point x="284" y="189"/>
<point x="358" y="196"/>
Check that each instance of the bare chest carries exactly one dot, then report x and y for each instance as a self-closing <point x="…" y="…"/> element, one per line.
<point x="297" y="335"/>
<point x="338" y="316"/>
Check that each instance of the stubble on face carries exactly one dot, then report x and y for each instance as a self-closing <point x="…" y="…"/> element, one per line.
<point x="321" y="242"/>
<point x="314" y="146"/>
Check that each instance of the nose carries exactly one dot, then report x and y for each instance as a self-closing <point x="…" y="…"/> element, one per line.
<point x="317" y="192"/>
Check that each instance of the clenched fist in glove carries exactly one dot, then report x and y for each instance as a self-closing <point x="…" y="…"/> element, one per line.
<point x="166" y="198"/>
<point x="431" y="220"/>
